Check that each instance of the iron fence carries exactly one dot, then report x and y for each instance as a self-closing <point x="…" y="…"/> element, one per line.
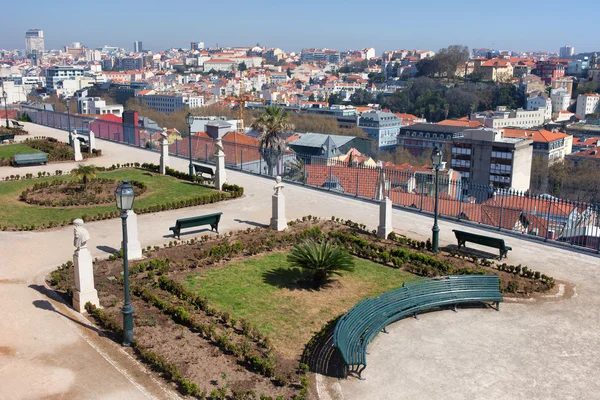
<point x="542" y="216"/>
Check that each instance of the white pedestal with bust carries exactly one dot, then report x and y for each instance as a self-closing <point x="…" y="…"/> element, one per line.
<point x="76" y="147"/>
<point x="134" y="249"/>
<point x="84" y="271"/>
<point x="220" y="173"/>
<point x="385" y="218"/>
<point x="278" y="219"/>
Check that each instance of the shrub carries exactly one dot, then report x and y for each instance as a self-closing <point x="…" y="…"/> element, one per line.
<point x="324" y="259"/>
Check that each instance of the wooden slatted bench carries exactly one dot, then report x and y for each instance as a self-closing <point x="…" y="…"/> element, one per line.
<point x="202" y="170"/>
<point x="359" y="326"/>
<point x="16" y="124"/>
<point x="7" y="136"/>
<point x="208" y="219"/>
<point x="31" y="158"/>
<point x="462" y="237"/>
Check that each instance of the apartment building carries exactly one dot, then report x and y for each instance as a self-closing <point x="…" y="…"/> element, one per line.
<point x="220" y="65"/>
<point x="551" y="147"/>
<point x="504" y="118"/>
<point x="169" y="103"/>
<point x="419" y="139"/>
<point x="486" y="157"/>
<point x="382" y="127"/>
<point x="549" y="70"/>
<point x="330" y="56"/>
<point x="588" y="103"/>
<point x="540" y="102"/>
<point x="34" y="41"/>
<point x="97" y="106"/>
<point x="561" y="99"/>
<point x="56" y="74"/>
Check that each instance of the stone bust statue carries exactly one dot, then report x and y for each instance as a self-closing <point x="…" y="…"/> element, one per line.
<point x="219" y="146"/>
<point x="278" y="186"/>
<point x="164" y="135"/>
<point x="80" y="235"/>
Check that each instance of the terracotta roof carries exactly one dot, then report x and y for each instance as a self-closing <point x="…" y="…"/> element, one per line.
<point x="460" y="122"/>
<point x="593" y="153"/>
<point x="496" y="62"/>
<point x="540" y="136"/>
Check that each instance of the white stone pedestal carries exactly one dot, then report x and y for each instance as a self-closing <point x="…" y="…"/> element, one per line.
<point x="220" y="173"/>
<point x="164" y="156"/>
<point x="134" y="249"/>
<point x="76" y="147"/>
<point x="278" y="220"/>
<point x="385" y="218"/>
<point x="84" y="280"/>
<point x="92" y="142"/>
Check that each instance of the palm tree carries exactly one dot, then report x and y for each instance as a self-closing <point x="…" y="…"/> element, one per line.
<point x="271" y="124"/>
<point x="324" y="258"/>
<point x="85" y="173"/>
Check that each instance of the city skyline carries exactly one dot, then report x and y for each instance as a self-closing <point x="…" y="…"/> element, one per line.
<point x="314" y="24"/>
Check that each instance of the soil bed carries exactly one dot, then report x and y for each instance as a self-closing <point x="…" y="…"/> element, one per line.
<point x="216" y="344"/>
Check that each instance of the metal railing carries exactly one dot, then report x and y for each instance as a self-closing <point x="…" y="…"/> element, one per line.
<point x="548" y="218"/>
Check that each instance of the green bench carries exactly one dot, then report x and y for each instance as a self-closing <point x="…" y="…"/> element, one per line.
<point x="16" y="124"/>
<point x="462" y="237"/>
<point x="31" y="158"/>
<point x="209" y="219"/>
<point x="359" y="326"/>
<point x="7" y="136"/>
<point x="202" y="170"/>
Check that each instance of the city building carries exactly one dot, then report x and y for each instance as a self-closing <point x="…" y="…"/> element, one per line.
<point x="199" y="124"/>
<point x="95" y="105"/>
<point x="561" y="99"/>
<point x="34" y="41"/>
<point x="566" y="51"/>
<point x="323" y="146"/>
<point x="197" y="46"/>
<point x="552" y="147"/>
<point x="169" y="103"/>
<point x="330" y="56"/>
<point x="56" y="74"/>
<point x="131" y="63"/>
<point x="503" y="118"/>
<point x="368" y="53"/>
<point x="588" y="103"/>
<point x="382" y="127"/>
<point x="220" y="65"/>
<point x="273" y="55"/>
<point x="593" y="73"/>
<point x="540" y="102"/>
<point x="138" y="46"/>
<point x="585" y="157"/>
<point x="531" y="83"/>
<point x="578" y="67"/>
<point x="549" y="70"/>
<point x="496" y="70"/>
<point x="564" y="82"/>
<point x="419" y="139"/>
<point x="486" y="157"/>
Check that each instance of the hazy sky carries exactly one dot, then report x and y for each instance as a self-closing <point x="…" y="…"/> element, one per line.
<point x="385" y="25"/>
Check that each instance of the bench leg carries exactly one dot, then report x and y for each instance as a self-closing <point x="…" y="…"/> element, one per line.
<point x="497" y="306"/>
<point x="384" y="331"/>
<point x="360" y="371"/>
<point x="454" y="309"/>
<point x="415" y="316"/>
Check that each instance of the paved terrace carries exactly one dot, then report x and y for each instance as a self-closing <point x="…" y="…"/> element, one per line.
<point x="540" y="350"/>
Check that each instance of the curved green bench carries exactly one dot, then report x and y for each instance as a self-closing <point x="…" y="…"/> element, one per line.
<point x="359" y="326"/>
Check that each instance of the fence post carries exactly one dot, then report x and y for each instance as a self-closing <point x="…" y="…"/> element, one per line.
<point x="548" y="219"/>
<point x="422" y="195"/>
<point x="241" y="159"/>
<point x="501" y="213"/>
<point x="330" y="176"/>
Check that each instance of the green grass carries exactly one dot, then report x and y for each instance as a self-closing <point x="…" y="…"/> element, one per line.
<point x="262" y="290"/>
<point x="161" y="189"/>
<point x="8" y="151"/>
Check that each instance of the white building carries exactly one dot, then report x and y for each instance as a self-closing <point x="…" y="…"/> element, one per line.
<point x="34" y="41"/>
<point x="567" y="51"/>
<point x="542" y="103"/>
<point x="97" y="106"/>
<point x="503" y="118"/>
<point x="561" y="99"/>
<point x="588" y="104"/>
<point x="56" y="74"/>
<point x="169" y="103"/>
<point x="220" y="65"/>
<point x="368" y="53"/>
<point x="14" y="92"/>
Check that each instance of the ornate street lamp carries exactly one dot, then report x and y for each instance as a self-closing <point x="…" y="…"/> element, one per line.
<point x="189" y="118"/>
<point x="5" y="97"/>
<point x="68" y="103"/>
<point x="436" y="160"/>
<point x="124" y="196"/>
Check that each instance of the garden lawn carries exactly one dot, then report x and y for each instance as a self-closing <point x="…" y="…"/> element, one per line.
<point x="262" y="291"/>
<point x="9" y="150"/>
<point x="161" y="189"/>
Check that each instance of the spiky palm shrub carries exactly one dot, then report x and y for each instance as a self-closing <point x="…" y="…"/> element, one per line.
<point x="323" y="258"/>
<point x="85" y="173"/>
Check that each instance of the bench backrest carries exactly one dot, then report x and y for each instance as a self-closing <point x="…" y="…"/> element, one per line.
<point x="479" y="239"/>
<point x="199" y="220"/>
<point x="25" y="158"/>
<point x="203" y="169"/>
<point x="359" y="326"/>
<point x="7" y="136"/>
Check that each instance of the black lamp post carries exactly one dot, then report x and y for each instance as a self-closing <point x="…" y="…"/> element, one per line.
<point x="124" y="196"/>
<point x="68" y="103"/>
<point x="189" y="118"/>
<point x="436" y="160"/>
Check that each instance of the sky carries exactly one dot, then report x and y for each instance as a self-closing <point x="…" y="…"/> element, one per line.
<point x="291" y="26"/>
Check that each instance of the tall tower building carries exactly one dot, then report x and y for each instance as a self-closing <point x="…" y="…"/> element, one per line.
<point x="34" y="40"/>
<point x="197" y="46"/>
<point x="567" y="51"/>
<point x="137" y="46"/>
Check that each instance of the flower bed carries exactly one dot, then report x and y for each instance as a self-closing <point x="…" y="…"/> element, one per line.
<point x="59" y="151"/>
